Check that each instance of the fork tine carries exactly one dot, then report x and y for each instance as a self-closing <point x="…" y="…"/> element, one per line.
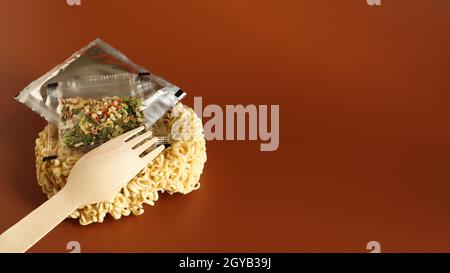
<point x="130" y="134"/>
<point x="146" y="145"/>
<point x="150" y="156"/>
<point x="139" y="138"/>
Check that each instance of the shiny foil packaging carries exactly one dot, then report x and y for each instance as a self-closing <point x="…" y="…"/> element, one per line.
<point x="99" y="60"/>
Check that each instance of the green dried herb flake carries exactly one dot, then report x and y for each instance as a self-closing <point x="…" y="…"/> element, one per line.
<point x="107" y="117"/>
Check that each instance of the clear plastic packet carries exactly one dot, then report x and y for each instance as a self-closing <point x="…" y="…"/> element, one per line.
<point x="94" y="109"/>
<point x="96" y="59"/>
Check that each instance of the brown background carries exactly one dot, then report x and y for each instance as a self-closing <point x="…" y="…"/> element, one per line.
<point x="364" y="94"/>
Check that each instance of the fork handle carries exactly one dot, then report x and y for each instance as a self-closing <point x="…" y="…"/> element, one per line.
<point x="29" y="230"/>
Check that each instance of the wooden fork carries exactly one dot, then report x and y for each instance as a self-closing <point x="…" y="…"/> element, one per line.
<point x="97" y="176"/>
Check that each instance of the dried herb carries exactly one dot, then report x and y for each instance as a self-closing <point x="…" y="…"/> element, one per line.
<point x="90" y="122"/>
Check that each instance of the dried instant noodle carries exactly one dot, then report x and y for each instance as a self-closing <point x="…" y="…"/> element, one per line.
<point x="177" y="169"/>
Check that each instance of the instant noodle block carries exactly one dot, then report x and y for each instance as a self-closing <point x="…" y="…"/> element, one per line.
<point x="176" y="170"/>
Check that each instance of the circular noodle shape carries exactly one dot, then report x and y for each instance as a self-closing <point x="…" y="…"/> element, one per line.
<point x="176" y="169"/>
